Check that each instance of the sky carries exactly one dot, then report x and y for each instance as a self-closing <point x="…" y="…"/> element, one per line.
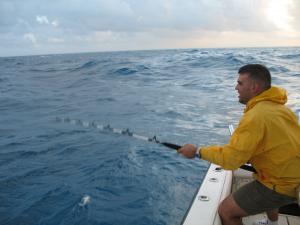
<point x="34" y="27"/>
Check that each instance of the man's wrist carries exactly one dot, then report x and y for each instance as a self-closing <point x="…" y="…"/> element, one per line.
<point x="198" y="153"/>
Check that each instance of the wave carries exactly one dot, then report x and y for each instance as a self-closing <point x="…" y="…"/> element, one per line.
<point x="170" y="114"/>
<point x="278" y="69"/>
<point x="13" y="181"/>
<point x="217" y="61"/>
<point x="295" y="74"/>
<point x="108" y="99"/>
<point x="131" y="70"/>
<point x="193" y="83"/>
<point x="7" y="158"/>
<point x="193" y="51"/>
<point x="125" y="71"/>
<point x="83" y="81"/>
<point x="87" y="65"/>
<point x="14" y="104"/>
<point x="234" y="60"/>
<point x="46" y="70"/>
<point x="61" y="199"/>
<point x="4" y="79"/>
<point x="290" y="56"/>
<point x="142" y="68"/>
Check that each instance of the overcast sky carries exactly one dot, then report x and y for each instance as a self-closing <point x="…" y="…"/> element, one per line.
<point x="63" y="26"/>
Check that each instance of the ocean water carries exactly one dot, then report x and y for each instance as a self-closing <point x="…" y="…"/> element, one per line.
<point x="57" y="173"/>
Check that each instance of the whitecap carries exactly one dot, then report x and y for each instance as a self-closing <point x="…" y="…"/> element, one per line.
<point x="85" y="201"/>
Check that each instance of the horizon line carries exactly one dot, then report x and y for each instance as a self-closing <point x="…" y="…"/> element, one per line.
<point x="140" y="50"/>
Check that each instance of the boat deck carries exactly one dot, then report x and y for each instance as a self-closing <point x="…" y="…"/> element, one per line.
<point x="242" y="177"/>
<point x="283" y="219"/>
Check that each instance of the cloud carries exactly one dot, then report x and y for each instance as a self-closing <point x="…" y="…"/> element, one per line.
<point x="42" y="19"/>
<point x="55" y="23"/>
<point x="278" y="13"/>
<point x="56" y="40"/>
<point x="140" y="16"/>
<point x="132" y="24"/>
<point x="30" y="37"/>
<point x="295" y="13"/>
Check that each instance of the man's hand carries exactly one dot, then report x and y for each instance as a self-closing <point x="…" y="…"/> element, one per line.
<point x="188" y="151"/>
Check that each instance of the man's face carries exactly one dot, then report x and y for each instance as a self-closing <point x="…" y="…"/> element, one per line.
<point x="245" y="88"/>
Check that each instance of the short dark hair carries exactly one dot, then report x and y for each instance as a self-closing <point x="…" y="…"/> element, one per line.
<point x="258" y="72"/>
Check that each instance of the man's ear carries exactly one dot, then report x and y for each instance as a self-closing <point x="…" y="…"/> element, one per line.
<point x="256" y="87"/>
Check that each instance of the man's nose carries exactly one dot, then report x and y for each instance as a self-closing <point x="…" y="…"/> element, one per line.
<point x="235" y="87"/>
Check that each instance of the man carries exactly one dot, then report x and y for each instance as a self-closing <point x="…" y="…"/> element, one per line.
<point x="268" y="136"/>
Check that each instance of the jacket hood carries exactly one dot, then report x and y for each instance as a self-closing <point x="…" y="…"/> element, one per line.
<point x="273" y="94"/>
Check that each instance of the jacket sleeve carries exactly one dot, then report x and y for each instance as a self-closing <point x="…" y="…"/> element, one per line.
<point x="247" y="137"/>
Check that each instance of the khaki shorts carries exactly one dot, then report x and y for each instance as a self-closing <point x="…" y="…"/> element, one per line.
<point x="256" y="198"/>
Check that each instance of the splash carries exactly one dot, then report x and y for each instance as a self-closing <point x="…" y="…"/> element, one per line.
<point x="85" y="201"/>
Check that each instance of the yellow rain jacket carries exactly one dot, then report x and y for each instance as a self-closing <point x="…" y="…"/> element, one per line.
<point x="268" y="136"/>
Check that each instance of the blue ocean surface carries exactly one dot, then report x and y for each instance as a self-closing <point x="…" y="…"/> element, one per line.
<point x="58" y="173"/>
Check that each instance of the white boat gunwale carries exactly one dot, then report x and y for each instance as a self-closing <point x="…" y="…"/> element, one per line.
<point x="206" y="212"/>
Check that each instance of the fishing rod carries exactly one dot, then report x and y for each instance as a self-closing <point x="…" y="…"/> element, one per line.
<point x="109" y="128"/>
<point x="127" y="132"/>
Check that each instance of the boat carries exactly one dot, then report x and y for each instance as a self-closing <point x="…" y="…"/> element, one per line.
<point x="217" y="185"/>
